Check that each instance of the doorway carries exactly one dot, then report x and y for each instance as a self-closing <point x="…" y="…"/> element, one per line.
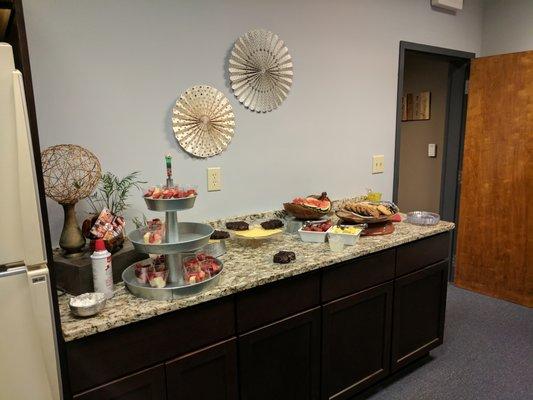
<point x="430" y="120"/>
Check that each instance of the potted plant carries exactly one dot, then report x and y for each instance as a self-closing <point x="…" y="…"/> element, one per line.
<point x="111" y="194"/>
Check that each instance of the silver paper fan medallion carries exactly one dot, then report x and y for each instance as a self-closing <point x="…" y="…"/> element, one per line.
<point x="203" y="121"/>
<point x="260" y="70"/>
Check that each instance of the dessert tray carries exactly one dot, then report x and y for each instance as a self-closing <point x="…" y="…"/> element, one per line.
<point x="165" y="275"/>
<point x="190" y="236"/>
<point x="173" y="290"/>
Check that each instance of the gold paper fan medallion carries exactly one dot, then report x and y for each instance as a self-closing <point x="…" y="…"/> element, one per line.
<point x="260" y="70"/>
<point x="203" y="121"/>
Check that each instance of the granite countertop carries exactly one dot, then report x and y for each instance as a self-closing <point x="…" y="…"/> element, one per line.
<point x="244" y="268"/>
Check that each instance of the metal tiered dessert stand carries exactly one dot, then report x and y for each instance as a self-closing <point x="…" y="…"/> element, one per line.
<point x="181" y="239"/>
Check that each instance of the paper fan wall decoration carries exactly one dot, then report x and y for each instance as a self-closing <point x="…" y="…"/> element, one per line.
<point x="260" y="70"/>
<point x="203" y="121"/>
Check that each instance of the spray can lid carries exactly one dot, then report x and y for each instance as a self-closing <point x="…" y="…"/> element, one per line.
<point x="99" y="245"/>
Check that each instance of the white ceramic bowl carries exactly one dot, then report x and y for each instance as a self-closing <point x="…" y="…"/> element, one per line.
<point x="312" y="237"/>
<point x="349" y="239"/>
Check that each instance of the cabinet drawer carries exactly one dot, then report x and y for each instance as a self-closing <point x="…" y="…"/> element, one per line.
<point x="145" y="385"/>
<point x="416" y="255"/>
<point x="356" y="275"/>
<point x="108" y="355"/>
<point x="278" y="300"/>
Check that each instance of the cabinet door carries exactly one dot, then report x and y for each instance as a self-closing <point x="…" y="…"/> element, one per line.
<point x="209" y="373"/>
<point x="282" y="360"/>
<point x="356" y="333"/>
<point x="145" y="385"/>
<point x="419" y="307"/>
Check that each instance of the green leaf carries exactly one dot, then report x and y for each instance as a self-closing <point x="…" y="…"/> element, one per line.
<point x="113" y="192"/>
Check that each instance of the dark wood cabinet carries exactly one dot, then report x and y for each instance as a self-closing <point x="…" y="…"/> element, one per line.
<point x="209" y="373"/>
<point x="282" y="360"/>
<point x="98" y="359"/>
<point x="145" y="385"/>
<point x="356" y="341"/>
<point x="328" y="333"/>
<point x="419" y="307"/>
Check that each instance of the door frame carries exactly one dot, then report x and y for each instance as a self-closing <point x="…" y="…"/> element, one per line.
<point x="454" y="129"/>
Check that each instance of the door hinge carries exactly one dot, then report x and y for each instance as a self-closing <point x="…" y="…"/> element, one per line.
<point x="466" y="86"/>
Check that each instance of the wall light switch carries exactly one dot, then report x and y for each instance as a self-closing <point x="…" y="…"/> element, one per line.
<point x="432" y="150"/>
<point x="378" y="164"/>
<point x="214" y="182"/>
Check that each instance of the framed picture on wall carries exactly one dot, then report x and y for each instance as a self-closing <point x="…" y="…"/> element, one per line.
<point x="416" y="107"/>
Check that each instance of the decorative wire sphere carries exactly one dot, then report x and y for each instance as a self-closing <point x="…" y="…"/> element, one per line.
<point x="70" y="173"/>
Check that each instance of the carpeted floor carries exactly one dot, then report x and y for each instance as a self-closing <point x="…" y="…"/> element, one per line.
<point x="487" y="355"/>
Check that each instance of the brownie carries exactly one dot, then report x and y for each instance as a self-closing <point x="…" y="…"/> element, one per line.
<point x="272" y="224"/>
<point x="217" y="235"/>
<point x="284" y="257"/>
<point x="237" y="226"/>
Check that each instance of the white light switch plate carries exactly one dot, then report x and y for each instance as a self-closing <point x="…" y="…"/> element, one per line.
<point x="432" y="150"/>
<point x="378" y="164"/>
<point x="214" y="182"/>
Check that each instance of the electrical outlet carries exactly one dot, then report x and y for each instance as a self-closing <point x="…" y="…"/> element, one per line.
<point x="378" y="164"/>
<point x="213" y="179"/>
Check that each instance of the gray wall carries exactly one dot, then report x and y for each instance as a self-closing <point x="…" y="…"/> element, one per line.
<point x="420" y="175"/>
<point x="107" y="73"/>
<point x="507" y="26"/>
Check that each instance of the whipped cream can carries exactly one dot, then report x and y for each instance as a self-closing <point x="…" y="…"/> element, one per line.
<point x="102" y="269"/>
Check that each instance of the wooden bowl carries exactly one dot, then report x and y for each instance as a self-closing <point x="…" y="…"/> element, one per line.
<point x="302" y="212"/>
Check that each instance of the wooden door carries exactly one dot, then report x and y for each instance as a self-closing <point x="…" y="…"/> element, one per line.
<point x="418" y="318"/>
<point x="356" y="333"/>
<point x="494" y="253"/>
<point x="145" y="385"/>
<point x="282" y="361"/>
<point x="209" y="373"/>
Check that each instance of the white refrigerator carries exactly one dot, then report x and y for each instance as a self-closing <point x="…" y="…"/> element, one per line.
<point x="29" y="366"/>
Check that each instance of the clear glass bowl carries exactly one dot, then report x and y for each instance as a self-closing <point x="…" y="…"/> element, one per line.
<point x="424" y="218"/>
